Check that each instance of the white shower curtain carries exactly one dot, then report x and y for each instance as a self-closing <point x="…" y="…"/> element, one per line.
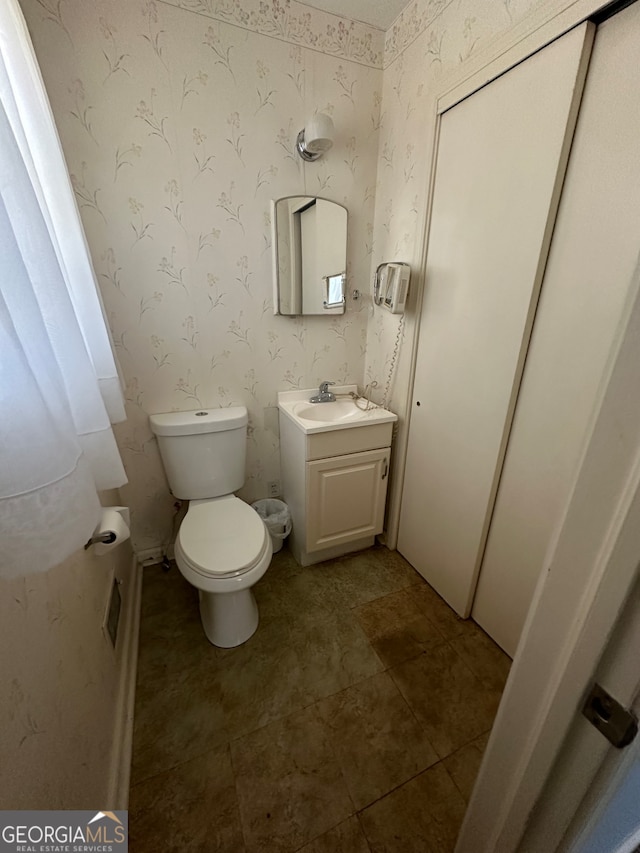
<point x="59" y="386"/>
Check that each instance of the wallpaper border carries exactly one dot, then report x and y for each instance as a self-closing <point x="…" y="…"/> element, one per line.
<point x="409" y="25"/>
<point x="297" y="24"/>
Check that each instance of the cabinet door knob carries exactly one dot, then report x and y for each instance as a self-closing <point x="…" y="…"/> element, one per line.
<point x="385" y="470"/>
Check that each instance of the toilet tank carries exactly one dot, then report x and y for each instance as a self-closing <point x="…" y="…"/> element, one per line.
<point x="204" y="451"/>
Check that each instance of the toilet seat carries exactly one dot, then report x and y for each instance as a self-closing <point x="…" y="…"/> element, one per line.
<point x="222" y="537"/>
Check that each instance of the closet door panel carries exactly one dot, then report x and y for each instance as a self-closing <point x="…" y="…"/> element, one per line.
<point x="593" y="256"/>
<point x="500" y="165"/>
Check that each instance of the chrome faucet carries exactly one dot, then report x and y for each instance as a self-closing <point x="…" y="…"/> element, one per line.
<point x="324" y="395"/>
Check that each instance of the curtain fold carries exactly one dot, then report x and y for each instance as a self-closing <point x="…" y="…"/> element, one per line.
<point x="59" y="386"/>
<point x="29" y="112"/>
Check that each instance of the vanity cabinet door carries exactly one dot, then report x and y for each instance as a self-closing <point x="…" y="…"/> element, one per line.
<point x="346" y="497"/>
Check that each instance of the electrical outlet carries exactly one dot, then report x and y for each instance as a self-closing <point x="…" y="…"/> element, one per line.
<point x="273" y="488"/>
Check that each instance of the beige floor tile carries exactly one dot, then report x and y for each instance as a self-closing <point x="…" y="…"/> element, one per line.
<point x="177" y="700"/>
<point x="171" y="646"/>
<point x="464" y="764"/>
<point x="171" y="635"/>
<point x="288" y="588"/>
<point x="397" y="627"/>
<point x="448" y="699"/>
<point x="190" y="809"/>
<point x="347" y="837"/>
<point x="261" y="680"/>
<point x="438" y="612"/>
<point x="294" y="766"/>
<point x="165" y="592"/>
<point x="290" y="787"/>
<point x="367" y="575"/>
<point x="377" y="739"/>
<point x="288" y="664"/>
<point x="394" y="563"/>
<point x="422" y="816"/>
<point x="483" y="657"/>
<point x="333" y="651"/>
<point x="175" y="719"/>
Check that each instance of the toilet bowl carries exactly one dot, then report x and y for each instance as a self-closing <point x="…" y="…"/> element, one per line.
<point x="223" y="548"/>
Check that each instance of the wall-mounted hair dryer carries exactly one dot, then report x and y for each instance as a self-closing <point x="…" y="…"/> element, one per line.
<point x="391" y="286"/>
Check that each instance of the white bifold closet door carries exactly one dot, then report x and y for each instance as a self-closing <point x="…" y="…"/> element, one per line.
<point x="593" y="257"/>
<point x="501" y="160"/>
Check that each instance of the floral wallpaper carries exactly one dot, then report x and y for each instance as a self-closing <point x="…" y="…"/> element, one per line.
<point x="61" y="681"/>
<point x="178" y="122"/>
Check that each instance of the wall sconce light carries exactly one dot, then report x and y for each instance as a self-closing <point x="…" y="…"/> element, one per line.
<point x="316" y="138"/>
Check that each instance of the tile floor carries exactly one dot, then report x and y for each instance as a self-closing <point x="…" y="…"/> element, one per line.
<point x="354" y="719"/>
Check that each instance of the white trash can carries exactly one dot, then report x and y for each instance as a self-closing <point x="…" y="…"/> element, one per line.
<point x="277" y="517"/>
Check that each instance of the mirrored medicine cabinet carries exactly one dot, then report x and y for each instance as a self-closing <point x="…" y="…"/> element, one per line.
<point x="309" y="255"/>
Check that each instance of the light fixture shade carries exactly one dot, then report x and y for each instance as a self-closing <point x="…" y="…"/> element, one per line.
<point x="318" y="134"/>
<point x="316" y="138"/>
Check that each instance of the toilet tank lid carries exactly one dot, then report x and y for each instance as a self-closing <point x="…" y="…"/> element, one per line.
<point x="199" y="420"/>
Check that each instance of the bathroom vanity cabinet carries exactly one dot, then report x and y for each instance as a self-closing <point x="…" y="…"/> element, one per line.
<point x="345" y="498"/>
<point x="334" y="481"/>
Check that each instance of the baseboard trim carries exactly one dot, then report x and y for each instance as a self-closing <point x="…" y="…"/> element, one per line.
<point x="120" y="771"/>
<point x="150" y="556"/>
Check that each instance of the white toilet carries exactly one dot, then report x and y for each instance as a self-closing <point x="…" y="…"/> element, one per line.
<point x="223" y="546"/>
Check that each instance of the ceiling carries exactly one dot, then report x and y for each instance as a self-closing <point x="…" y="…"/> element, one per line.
<point x="378" y="13"/>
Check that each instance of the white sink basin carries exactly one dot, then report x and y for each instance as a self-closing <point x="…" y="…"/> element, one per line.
<point x="340" y="410"/>
<point x="324" y="417"/>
